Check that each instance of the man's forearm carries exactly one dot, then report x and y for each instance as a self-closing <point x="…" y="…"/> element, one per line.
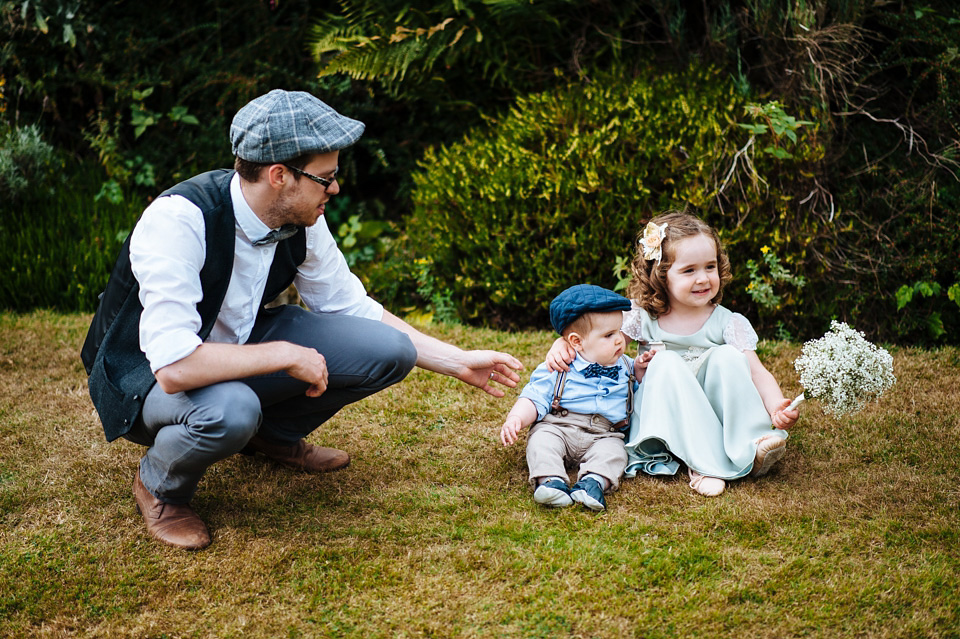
<point x="211" y="363"/>
<point x="432" y="354"/>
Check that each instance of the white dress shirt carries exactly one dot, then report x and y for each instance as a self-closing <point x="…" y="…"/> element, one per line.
<point x="167" y="251"/>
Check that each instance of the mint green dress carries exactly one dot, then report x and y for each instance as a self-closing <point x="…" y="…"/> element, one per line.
<point x="697" y="403"/>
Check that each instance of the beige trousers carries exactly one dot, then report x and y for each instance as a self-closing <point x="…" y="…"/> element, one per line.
<point x="588" y="440"/>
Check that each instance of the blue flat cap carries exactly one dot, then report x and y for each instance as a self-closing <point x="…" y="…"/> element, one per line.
<point x="282" y="125"/>
<point x="584" y="298"/>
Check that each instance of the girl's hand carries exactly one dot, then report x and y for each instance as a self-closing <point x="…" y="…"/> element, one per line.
<point x="641" y="363"/>
<point x="510" y="431"/>
<point x="784" y="419"/>
<point x="560" y="356"/>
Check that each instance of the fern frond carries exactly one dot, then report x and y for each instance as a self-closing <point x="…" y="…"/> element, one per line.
<point x="388" y="55"/>
<point x="395" y="40"/>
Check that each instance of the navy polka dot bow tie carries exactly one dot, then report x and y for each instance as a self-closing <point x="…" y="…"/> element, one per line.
<point x="596" y="370"/>
<point x="282" y="233"/>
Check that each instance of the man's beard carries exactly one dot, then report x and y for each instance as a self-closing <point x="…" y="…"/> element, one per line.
<point x="282" y="211"/>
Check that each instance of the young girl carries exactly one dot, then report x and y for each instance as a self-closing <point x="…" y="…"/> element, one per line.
<point x="706" y="399"/>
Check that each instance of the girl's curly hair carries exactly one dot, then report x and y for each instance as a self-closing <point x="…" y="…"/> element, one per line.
<point x="649" y="283"/>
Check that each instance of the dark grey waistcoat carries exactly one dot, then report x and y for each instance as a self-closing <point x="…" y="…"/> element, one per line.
<point x="120" y="375"/>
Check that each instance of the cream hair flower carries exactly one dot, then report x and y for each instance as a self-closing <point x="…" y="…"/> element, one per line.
<point x="652" y="241"/>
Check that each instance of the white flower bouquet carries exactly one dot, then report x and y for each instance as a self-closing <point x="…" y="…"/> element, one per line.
<point x="843" y="370"/>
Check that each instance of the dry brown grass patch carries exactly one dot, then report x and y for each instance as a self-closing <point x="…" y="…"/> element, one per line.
<point x="431" y="531"/>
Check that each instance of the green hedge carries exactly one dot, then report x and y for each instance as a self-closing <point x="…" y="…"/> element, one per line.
<point x="896" y="269"/>
<point x="59" y="243"/>
<point x="554" y="193"/>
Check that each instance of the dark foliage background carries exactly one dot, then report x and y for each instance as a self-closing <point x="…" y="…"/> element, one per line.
<point x="129" y="97"/>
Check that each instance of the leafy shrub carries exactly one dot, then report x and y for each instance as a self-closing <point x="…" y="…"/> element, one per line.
<point x="24" y="157"/>
<point x="424" y="71"/>
<point x="60" y="244"/>
<point x="767" y="275"/>
<point x="906" y="236"/>
<point x="902" y="169"/>
<point x="555" y="192"/>
<point x="149" y="89"/>
<point x="920" y="63"/>
<point x="393" y="278"/>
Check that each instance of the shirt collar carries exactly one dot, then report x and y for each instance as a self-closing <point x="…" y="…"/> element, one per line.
<point x="579" y="363"/>
<point x="251" y="225"/>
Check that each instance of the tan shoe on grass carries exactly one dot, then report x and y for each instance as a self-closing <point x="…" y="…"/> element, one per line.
<point x="176" y="525"/>
<point x="301" y="456"/>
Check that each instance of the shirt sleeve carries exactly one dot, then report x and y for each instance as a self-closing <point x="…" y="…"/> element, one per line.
<point x="325" y="282"/>
<point x="539" y="389"/>
<point x="631" y="322"/>
<point x="167" y="251"/>
<point x="739" y="333"/>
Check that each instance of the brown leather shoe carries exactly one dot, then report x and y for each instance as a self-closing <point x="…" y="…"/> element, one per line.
<point x="302" y="456"/>
<point x="173" y="524"/>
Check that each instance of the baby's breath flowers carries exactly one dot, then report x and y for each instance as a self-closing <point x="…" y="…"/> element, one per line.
<point x="843" y="370"/>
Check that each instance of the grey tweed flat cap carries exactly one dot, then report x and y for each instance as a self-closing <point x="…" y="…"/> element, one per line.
<point x="282" y="125"/>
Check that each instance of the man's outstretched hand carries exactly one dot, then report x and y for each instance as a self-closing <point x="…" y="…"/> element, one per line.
<point x="484" y="368"/>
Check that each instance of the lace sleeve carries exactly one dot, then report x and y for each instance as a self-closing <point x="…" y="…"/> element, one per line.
<point x="739" y="333"/>
<point x="631" y="323"/>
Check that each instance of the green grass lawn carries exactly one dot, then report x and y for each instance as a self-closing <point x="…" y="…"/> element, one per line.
<point x="432" y="532"/>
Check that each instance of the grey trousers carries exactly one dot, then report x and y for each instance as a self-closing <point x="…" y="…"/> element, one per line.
<point x="185" y="433"/>
<point x="589" y="440"/>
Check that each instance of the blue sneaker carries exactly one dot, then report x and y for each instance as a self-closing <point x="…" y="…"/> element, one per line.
<point x="553" y="493"/>
<point x="587" y="491"/>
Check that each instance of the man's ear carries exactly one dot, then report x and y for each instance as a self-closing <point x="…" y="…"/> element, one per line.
<point x="277" y="176"/>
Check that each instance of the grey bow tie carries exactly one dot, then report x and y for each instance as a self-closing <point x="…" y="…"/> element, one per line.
<point x="282" y="233"/>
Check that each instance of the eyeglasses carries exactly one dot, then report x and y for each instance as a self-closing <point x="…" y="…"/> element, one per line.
<point x="324" y="182"/>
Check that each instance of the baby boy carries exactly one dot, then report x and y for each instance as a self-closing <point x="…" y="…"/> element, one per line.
<point x="581" y="416"/>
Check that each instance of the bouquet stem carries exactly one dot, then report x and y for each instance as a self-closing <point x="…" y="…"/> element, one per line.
<point x="796" y="402"/>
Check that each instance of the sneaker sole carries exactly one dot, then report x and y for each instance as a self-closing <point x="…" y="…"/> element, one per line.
<point x="551" y="497"/>
<point x="581" y="497"/>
